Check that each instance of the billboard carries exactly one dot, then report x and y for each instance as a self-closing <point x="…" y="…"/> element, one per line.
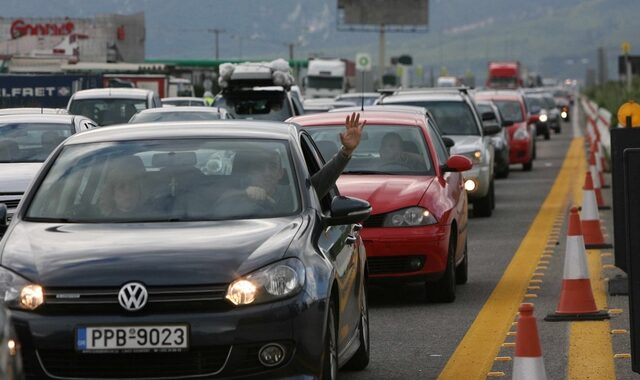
<point x="399" y="13"/>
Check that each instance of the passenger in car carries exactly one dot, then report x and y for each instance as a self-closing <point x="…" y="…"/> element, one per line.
<point x="123" y="194"/>
<point x="393" y="154"/>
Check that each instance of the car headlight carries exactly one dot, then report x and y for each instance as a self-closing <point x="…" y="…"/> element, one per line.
<point x="475" y="156"/>
<point x="564" y="114"/>
<point x="543" y="118"/>
<point x="520" y="134"/>
<point x="409" y="217"/>
<point x="18" y="293"/>
<point x="276" y="281"/>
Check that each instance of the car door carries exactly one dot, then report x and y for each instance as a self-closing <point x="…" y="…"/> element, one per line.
<point x="339" y="244"/>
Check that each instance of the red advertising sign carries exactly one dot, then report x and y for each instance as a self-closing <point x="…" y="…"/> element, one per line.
<point x="19" y="28"/>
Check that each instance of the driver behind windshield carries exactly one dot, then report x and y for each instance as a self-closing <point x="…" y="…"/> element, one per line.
<point x="392" y="154"/>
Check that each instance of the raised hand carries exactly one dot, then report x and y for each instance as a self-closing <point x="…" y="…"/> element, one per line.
<point x="351" y="137"/>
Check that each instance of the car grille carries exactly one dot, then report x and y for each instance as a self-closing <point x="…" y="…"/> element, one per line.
<point x="169" y="365"/>
<point x="161" y="299"/>
<point x="375" y="220"/>
<point x="395" y="264"/>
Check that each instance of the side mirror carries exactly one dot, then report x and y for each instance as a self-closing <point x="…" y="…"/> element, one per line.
<point x="457" y="163"/>
<point x="347" y="210"/>
<point x="448" y="142"/>
<point x="491" y="129"/>
<point x="507" y="123"/>
<point x="533" y="119"/>
<point x="488" y="116"/>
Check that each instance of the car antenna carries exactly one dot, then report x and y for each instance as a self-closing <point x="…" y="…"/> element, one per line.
<point x="362" y="88"/>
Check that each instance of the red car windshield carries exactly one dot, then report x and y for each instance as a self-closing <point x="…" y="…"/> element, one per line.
<point x="396" y="150"/>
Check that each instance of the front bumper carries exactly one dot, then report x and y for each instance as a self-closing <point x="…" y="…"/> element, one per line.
<point x="222" y="344"/>
<point x="391" y="252"/>
<point x="520" y="151"/>
<point x="481" y="175"/>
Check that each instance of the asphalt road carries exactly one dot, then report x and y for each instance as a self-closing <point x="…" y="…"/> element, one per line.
<point x="412" y="339"/>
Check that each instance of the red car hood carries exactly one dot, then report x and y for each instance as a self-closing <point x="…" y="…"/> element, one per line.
<point x="385" y="193"/>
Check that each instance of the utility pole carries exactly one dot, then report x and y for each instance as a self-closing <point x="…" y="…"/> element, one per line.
<point x="381" y="56"/>
<point x="217" y="32"/>
<point x="291" y="45"/>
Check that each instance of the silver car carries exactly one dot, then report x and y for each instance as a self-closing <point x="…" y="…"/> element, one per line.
<point x="109" y="106"/>
<point x="500" y="140"/>
<point x="184" y="113"/>
<point x="457" y="118"/>
<point x="25" y="143"/>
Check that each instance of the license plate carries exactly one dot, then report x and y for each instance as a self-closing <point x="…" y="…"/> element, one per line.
<point x="132" y="338"/>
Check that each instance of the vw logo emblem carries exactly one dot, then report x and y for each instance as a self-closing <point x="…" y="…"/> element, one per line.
<point x="133" y="296"/>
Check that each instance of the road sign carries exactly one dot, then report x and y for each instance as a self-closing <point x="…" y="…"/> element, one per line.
<point x="363" y="62"/>
<point x="626" y="47"/>
<point x="629" y="109"/>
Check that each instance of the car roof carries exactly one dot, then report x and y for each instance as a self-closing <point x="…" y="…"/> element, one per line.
<point x="98" y="93"/>
<point x="377" y="117"/>
<point x="189" y="98"/>
<point x="416" y="96"/>
<point x="184" y="109"/>
<point x="359" y="95"/>
<point x="190" y="129"/>
<point x="38" y="118"/>
<point x="385" y="108"/>
<point x="33" y="111"/>
<point x="515" y="96"/>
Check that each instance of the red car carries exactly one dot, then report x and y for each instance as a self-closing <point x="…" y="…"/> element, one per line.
<point x="418" y="227"/>
<point x="522" y="134"/>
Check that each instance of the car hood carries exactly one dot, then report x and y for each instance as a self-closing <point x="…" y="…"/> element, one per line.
<point x="16" y="177"/>
<point x="465" y="144"/>
<point x="385" y="193"/>
<point x="190" y="253"/>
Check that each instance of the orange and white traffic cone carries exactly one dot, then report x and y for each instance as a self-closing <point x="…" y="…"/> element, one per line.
<point x="596" y="148"/>
<point x="576" y="298"/>
<point x="528" y="363"/>
<point x="597" y="187"/>
<point x="591" y="229"/>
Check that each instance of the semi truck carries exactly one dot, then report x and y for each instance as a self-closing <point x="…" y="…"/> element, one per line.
<point x="507" y="74"/>
<point x="328" y="78"/>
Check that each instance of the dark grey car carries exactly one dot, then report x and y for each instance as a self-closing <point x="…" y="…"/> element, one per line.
<point x="138" y="253"/>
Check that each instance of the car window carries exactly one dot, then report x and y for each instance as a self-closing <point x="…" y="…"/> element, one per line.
<point x="312" y="160"/>
<point x="107" y="111"/>
<point x="453" y="117"/>
<point x="167" y="180"/>
<point x="510" y="110"/>
<point x="438" y="144"/>
<point x="259" y="105"/>
<point x="389" y="149"/>
<point x="174" y="116"/>
<point x="31" y="142"/>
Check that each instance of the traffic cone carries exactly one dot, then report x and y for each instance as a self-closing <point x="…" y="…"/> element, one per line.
<point x="596" y="148"/>
<point x="596" y="183"/>
<point x="592" y="232"/>
<point x="528" y="363"/>
<point x="576" y="298"/>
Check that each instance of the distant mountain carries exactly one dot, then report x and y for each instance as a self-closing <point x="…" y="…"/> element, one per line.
<point x="554" y="37"/>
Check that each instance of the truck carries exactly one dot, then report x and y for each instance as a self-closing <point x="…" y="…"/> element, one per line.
<point x="43" y="90"/>
<point x="506" y="74"/>
<point x="163" y="85"/>
<point x="328" y="78"/>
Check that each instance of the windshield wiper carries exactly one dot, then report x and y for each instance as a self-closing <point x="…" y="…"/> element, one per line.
<point x="366" y="172"/>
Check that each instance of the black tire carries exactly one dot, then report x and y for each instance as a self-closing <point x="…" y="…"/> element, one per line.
<point x="547" y="134"/>
<point x="535" y="153"/>
<point x="444" y="290"/>
<point x="360" y="360"/>
<point x="558" y="130"/>
<point x="493" y="196"/>
<point x="503" y="172"/>
<point x="462" y="270"/>
<point x="528" y="166"/>
<point x="483" y="207"/>
<point x="330" y="357"/>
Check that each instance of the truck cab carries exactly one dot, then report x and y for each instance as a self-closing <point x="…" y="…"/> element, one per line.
<point x="327" y="78"/>
<point x="504" y="75"/>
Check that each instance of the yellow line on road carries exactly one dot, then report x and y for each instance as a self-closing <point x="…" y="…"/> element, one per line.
<point x="590" y="347"/>
<point x="474" y="356"/>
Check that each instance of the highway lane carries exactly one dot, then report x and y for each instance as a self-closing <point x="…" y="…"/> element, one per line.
<point x="414" y="340"/>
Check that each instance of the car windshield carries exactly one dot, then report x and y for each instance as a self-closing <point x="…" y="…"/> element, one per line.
<point x="503" y="82"/>
<point x="167" y="181"/>
<point x="184" y="103"/>
<point x="31" y="142"/>
<point x="174" y="116"/>
<point x="510" y="110"/>
<point x="453" y="118"/>
<point x="107" y="111"/>
<point x="358" y="100"/>
<point x="259" y="105"/>
<point x="534" y="103"/>
<point x="384" y="149"/>
<point x="333" y="83"/>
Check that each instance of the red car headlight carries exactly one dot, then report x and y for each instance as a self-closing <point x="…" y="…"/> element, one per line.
<point x="409" y="217"/>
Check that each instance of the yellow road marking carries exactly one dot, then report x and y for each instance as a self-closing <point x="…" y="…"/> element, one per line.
<point x="503" y="359"/>
<point x="615" y="311"/>
<point x="590" y="349"/>
<point x="622" y="356"/>
<point x="474" y="356"/>
<point x="495" y="374"/>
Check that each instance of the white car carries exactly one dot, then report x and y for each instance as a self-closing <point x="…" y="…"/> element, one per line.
<point x="108" y="106"/>
<point x="183" y="101"/>
<point x="25" y="143"/>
